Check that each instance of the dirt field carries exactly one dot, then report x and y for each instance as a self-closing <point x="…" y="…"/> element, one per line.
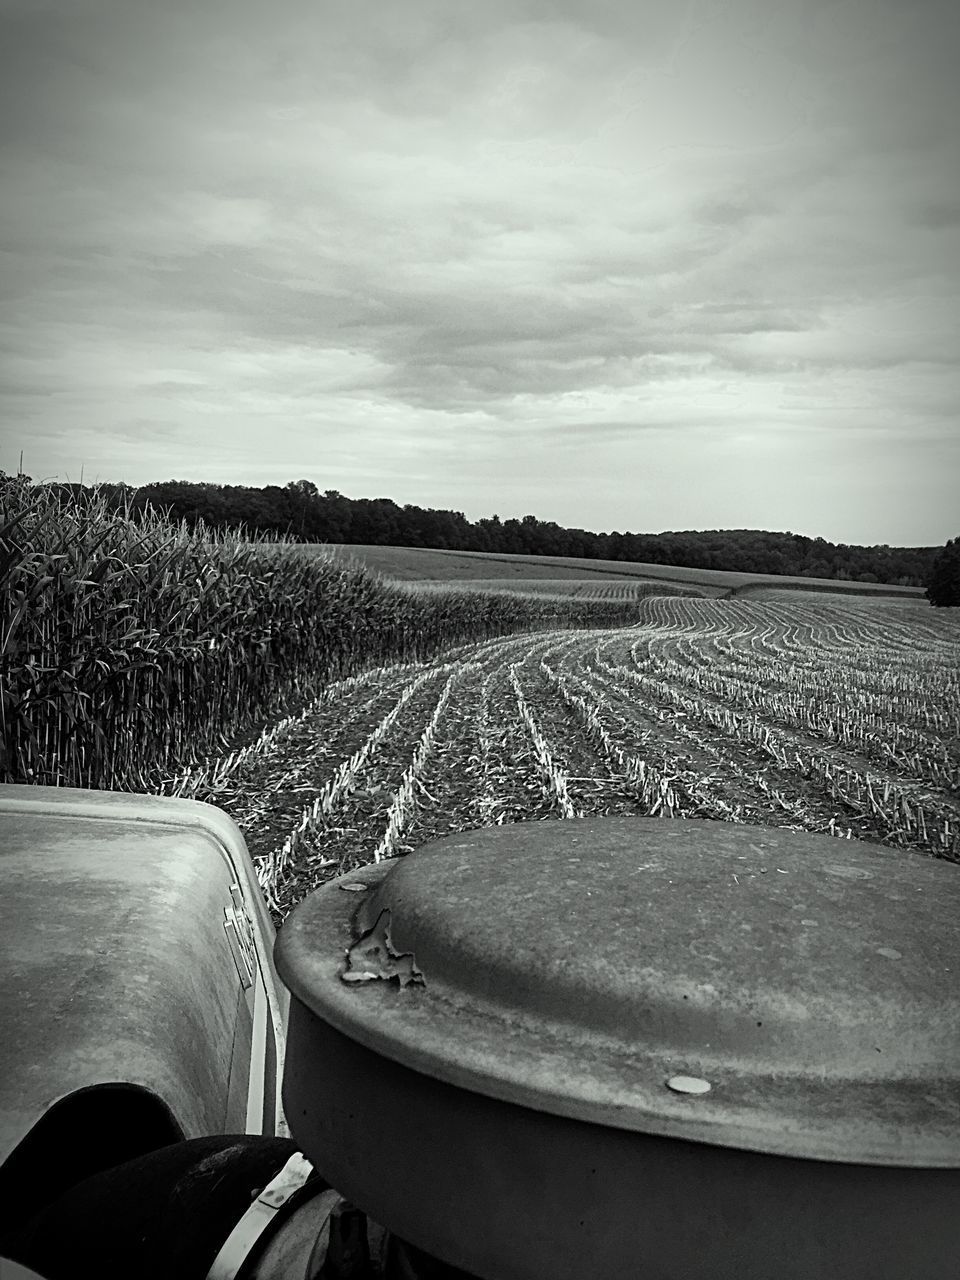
<point x="815" y="715"/>
<point x="573" y="588"/>
<point x="422" y="563"/>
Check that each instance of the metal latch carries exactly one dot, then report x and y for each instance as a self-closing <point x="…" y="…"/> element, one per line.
<point x="239" y="930"/>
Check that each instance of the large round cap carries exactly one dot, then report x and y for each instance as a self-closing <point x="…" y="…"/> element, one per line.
<point x="746" y="987"/>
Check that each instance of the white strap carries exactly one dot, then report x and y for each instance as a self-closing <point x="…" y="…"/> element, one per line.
<point x="241" y="1240"/>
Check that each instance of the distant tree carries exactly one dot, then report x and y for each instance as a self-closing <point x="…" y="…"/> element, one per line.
<point x="299" y="510"/>
<point x="511" y="538"/>
<point x="335" y="517"/>
<point x="301" y="497"/>
<point x="816" y="569"/>
<point x="943" y="581"/>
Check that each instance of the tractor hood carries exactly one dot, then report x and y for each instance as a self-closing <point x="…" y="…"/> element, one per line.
<point x="115" y="961"/>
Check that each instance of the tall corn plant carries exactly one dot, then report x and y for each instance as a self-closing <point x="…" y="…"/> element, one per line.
<point x="129" y="648"/>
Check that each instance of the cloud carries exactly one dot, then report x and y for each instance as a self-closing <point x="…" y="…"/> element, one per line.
<point x="650" y="215"/>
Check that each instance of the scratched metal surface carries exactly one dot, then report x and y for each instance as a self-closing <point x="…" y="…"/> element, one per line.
<point x="576" y="967"/>
<point x="114" y="962"/>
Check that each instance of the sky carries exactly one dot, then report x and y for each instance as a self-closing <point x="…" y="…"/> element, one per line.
<point x="621" y="264"/>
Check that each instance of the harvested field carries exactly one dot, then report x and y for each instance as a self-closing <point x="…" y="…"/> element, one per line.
<point x="874" y="601"/>
<point x="584" y="589"/>
<point x="815" y="716"/>
<point x="427" y="563"/>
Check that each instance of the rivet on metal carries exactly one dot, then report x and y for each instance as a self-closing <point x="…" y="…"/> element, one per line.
<point x="688" y="1084"/>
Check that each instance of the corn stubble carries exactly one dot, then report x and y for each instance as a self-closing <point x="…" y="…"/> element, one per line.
<point x="135" y="651"/>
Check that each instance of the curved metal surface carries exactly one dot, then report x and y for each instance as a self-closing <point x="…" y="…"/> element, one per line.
<point x="512" y="1193"/>
<point x="115" y="962"/>
<point x="578" y="967"/>
<point x="10" y="1270"/>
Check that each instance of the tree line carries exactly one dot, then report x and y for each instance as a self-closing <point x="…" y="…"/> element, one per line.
<point x="299" y="510"/>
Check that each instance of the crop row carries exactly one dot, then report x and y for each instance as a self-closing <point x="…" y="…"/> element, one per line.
<point x="577" y="724"/>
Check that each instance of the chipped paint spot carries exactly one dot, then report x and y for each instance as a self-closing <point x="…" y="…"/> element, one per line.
<point x="373" y="956"/>
<point x="692" y="1085"/>
<point x="848" y="873"/>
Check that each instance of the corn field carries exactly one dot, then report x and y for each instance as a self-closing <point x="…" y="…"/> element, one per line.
<point x="133" y="653"/>
<point x="341" y="719"/>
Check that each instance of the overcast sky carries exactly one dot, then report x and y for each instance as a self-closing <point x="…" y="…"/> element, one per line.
<point x="634" y="264"/>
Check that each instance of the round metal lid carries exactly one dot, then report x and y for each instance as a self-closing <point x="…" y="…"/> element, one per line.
<point x="745" y="986"/>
